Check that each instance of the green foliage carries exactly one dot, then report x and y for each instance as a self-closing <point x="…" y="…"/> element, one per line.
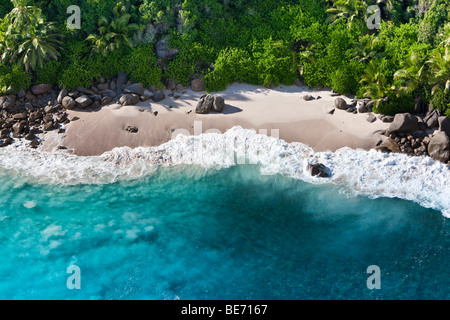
<point x="27" y="38"/>
<point x="113" y="34"/>
<point x="435" y="17"/>
<point x="441" y="100"/>
<point x="191" y="61"/>
<point x="396" y="104"/>
<point x="5" y="7"/>
<point x="346" y="78"/>
<point x="49" y="72"/>
<point x="142" y="66"/>
<point x="274" y="63"/>
<point x="232" y="65"/>
<point x="14" y="78"/>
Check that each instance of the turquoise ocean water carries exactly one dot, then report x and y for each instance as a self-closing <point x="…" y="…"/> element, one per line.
<point x="188" y="232"/>
<point x="184" y="221"/>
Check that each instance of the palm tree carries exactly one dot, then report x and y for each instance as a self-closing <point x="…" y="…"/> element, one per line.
<point x="413" y="78"/>
<point x="440" y="70"/>
<point x="351" y="11"/>
<point x="28" y="39"/>
<point x="444" y="34"/>
<point x="112" y="35"/>
<point x="364" y="50"/>
<point x="375" y="84"/>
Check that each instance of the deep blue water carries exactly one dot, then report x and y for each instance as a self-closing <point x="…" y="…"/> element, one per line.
<point x="190" y="233"/>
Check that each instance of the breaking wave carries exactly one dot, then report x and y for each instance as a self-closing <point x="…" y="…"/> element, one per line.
<point x="356" y="172"/>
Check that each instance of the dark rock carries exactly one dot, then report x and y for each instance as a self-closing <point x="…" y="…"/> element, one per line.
<point x="432" y="120"/>
<point x="371" y="118"/>
<point x="132" y="129"/>
<point x="83" y="102"/>
<point x="198" y="85"/>
<point x="8" y="101"/>
<point x="34" y="144"/>
<point x="20" y="116"/>
<point x="129" y="99"/>
<point x="30" y="136"/>
<point x="137" y="88"/>
<point x="361" y="106"/>
<point x="155" y="113"/>
<point x="85" y="91"/>
<point x="106" y="100"/>
<point x="112" y="85"/>
<point x="391" y="145"/>
<point x="340" y="104"/>
<point x="205" y="104"/>
<point x="308" y="97"/>
<point x="48" y="126"/>
<point x="158" y="96"/>
<point x="41" y="88"/>
<point x="404" y="123"/>
<point x="75" y="118"/>
<point x="69" y="103"/>
<point x="18" y="127"/>
<point x="102" y="86"/>
<point x="439" y="147"/>
<point x="145" y="97"/>
<point x="219" y="104"/>
<point x="319" y="170"/>
<point x="444" y="124"/>
<point x="61" y="95"/>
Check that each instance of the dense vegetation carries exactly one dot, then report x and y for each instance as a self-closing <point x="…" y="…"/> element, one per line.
<point x="404" y="65"/>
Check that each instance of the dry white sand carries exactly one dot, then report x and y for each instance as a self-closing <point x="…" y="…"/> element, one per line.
<point x="253" y="107"/>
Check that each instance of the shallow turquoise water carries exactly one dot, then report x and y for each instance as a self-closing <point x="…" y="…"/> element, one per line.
<point x="191" y="233"/>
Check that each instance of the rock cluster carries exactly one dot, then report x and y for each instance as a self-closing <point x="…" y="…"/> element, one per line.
<point x="418" y="136"/>
<point x="415" y="135"/>
<point x="208" y="103"/>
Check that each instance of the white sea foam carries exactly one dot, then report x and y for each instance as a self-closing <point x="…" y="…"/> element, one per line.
<point x="370" y="173"/>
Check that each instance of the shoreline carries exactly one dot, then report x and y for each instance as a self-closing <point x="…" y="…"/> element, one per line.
<point x="252" y="107"/>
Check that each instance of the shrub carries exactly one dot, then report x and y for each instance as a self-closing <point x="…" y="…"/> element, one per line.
<point x="346" y="78"/>
<point x="143" y="66"/>
<point x="441" y="100"/>
<point x="232" y="65"/>
<point x="49" y="72"/>
<point x="193" y="60"/>
<point x="274" y="63"/>
<point x="76" y="75"/>
<point x="14" y="78"/>
<point x="396" y="104"/>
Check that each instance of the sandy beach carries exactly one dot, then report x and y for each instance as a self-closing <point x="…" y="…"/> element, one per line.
<point x="278" y="111"/>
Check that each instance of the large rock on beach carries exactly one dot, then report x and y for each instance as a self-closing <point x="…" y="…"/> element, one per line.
<point x="444" y="125"/>
<point x="205" y="104"/>
<point x="137" y="88"/>
<point x="69" y="103"/>
<point x="198" y="85"/>
<point x="404" y="123"/>
<point x="340" y="104"/>
<point x="439" y="147"/>
<point x="129" y="99"/>
<point x="41" y="88"/>
<point x="158" y="96"/>
<point x="219" y="104"/>
<point x="83" y="102"/>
